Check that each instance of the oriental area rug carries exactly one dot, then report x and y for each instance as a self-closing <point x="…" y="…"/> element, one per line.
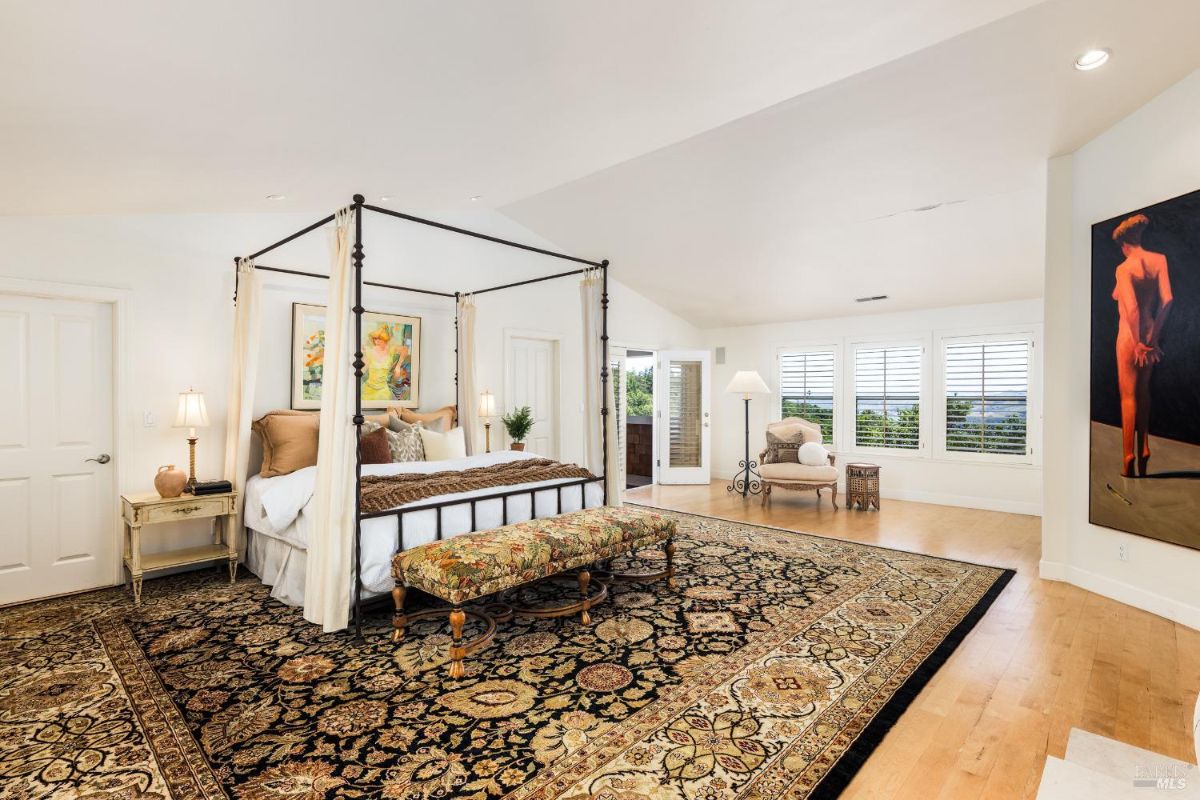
<point x="772" y="671"/>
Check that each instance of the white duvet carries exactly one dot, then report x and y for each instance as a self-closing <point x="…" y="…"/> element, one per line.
<point x="275" y="507"/>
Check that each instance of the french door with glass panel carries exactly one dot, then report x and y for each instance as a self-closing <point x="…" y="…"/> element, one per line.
<point x="57" y="515"/>
<point x="682" y="384"/>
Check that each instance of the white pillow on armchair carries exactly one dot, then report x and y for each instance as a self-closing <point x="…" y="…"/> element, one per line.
<point x="812" y="454"/>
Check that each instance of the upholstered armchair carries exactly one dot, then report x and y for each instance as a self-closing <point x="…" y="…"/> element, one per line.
<point x="783" y="469"/>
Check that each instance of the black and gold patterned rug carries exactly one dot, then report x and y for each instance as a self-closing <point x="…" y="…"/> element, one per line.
<point x="772" y="672"/>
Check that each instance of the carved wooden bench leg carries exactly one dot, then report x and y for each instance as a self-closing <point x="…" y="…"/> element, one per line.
<point x="585" y="578"/>
<point x="398" y="619"/>
<point x="834" y="497"/>
<point x="766" y="493"/>
<point x="457" y="651"/>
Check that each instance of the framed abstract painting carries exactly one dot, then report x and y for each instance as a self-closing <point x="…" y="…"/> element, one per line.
<point x="1145" y="372"/>
<point x="391" y="346"/>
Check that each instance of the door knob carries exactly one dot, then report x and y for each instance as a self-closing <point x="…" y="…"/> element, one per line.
<point x="103" y="458"/>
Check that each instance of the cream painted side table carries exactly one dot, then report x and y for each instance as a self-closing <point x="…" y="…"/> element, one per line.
<point x="140" y="510"/>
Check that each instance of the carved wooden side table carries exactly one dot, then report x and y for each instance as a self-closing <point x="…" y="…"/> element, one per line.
<point x="139" y="510"/>
<point x="862" y="485"/>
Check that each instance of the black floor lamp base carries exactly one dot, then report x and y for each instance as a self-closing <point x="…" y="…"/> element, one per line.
<point x="746" y="481"/>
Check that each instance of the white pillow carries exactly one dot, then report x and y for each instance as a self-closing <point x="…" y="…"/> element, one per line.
<point x="812" y="454"/>
<point x="441" y="446"/>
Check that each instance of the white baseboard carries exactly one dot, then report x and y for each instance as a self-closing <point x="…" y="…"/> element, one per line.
<point x="967" y="501"/>
<point x="942" y="499"/>
<point x="1122" y="592"/>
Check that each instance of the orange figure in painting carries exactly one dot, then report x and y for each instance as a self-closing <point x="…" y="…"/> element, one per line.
<point x="1143" y="295"/>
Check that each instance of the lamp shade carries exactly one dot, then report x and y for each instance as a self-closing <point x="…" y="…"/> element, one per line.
<point x="191" y="413"/>
<point x="747" y="382"/>
<point x="487" y="404"/>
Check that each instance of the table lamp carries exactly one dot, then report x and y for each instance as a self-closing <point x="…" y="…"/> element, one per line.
<point x="487" y="410"/>
<point x="191" y="415"/>
<point x="746" y="383"/>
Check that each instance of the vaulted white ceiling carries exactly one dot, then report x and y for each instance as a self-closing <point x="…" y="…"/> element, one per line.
<point x="737" y="161"/>
<point x="153" y="105"/>
<point x="922" y="179"/>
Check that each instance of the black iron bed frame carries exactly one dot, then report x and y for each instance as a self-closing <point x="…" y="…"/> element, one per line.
<point x="356" y="259"/>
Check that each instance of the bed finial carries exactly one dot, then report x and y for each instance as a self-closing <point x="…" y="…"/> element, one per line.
<point x="359" y="199"/>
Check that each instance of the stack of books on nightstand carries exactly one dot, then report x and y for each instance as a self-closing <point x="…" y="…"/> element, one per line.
<point x="212" y="487"/>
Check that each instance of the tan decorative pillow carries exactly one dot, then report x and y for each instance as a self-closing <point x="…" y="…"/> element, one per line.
<point x="440" y="420"/>
<point x="289" y="441"/>
<point x="379" y="419"/>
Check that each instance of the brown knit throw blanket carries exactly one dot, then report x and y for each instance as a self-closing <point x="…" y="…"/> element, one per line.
<point x="383" y="492"/>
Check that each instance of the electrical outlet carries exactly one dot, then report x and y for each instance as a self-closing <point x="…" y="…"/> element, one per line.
<point x="148" y="419"/>
<point x="1123" y="552"/>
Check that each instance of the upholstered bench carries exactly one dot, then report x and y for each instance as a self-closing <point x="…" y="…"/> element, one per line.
<point x="468" y="567"/>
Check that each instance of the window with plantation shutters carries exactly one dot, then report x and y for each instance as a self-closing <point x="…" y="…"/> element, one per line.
<point x="887" y="397"/>
<point x="987" y="396"/>
<point x="806" y="388"/>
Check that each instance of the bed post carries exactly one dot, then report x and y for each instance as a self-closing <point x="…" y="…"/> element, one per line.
<point x="357" y="263"/>
<point x="457" y="399"/>
<point x="604" y="373"/>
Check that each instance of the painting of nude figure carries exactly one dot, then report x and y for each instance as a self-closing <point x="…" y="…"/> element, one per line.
<point x="1145" y="372"/>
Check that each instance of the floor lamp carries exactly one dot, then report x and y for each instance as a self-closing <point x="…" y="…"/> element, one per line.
<point x="747" y="481"/>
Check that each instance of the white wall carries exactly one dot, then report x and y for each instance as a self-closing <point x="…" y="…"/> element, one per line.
<point x="1150" y="156"/>
<point x="178" y="270"/>
<point x="926" y="477"/>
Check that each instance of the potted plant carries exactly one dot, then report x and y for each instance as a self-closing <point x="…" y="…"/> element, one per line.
<point x="518" y="422"/>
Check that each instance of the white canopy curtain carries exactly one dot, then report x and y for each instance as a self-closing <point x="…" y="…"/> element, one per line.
<point x="591" y="287"/>
<point x="330" y="549"/>
<point x="468" y="399"/>
<point x="247" y="315"/>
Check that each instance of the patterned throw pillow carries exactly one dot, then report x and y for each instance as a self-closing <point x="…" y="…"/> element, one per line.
<point x="781" y="450"/>
<point x="404" y="445"/>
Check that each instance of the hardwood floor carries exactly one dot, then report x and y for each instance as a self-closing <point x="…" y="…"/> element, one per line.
<point x="1047" y="657"/>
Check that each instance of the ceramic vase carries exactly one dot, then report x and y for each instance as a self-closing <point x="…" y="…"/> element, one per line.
<point x="169" y="482"/>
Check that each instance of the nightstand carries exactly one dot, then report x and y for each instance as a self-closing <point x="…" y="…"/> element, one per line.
<point x="140" y="510"/>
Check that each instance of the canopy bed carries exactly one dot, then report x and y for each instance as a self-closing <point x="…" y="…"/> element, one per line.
<point x="342" y="514"/>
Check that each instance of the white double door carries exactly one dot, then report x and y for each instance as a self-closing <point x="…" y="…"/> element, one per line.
<point x="57" y="506"/>
<point x="682" y="400"/>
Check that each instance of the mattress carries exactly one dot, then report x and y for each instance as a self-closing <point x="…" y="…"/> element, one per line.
<point x="279" y="529"/>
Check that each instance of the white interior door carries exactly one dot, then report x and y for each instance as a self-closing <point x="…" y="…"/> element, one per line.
<point x="57" y="511"/>
<point x="682" y="403"/>
<point x="533" y="381"/>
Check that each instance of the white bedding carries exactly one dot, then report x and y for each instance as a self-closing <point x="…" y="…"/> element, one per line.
<point x="275" y="513"/>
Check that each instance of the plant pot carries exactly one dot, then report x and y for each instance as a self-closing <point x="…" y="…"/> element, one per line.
<point x="169" y="482"/>
<point x="517" y="446"/>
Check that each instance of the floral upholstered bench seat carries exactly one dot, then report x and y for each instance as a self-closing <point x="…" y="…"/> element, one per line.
<point x="470" y="566"/>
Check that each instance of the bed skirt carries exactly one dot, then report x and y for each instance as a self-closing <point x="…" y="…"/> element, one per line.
<point x="280" y="561"/>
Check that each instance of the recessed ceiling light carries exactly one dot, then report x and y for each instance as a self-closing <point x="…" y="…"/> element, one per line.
<point x="277" y="197"/>
<point x="1092" y="59"/>
<point x="476" y="198"/>
<point x="385" y="197"/>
